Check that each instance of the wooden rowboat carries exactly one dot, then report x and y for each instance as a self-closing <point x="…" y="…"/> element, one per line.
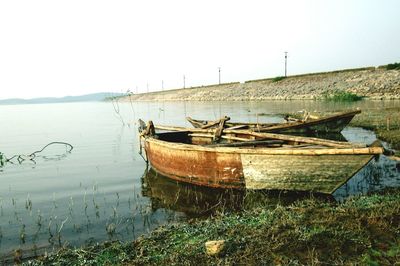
<point x="253" y="160"/>
<point x="309" y="124"/>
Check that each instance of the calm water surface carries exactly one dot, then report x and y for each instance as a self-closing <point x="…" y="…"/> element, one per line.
<point x="102" y="190"/>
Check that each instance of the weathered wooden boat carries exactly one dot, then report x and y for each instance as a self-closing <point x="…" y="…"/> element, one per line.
<point x="253" y="160"/>
<point x="307" y="125"/>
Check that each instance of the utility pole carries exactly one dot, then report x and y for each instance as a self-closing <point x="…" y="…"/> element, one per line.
<point x="286" y="64"/>
<point x="219" y="75"/>
<point x="184" y="81"/>
<point x="162" y="85"/>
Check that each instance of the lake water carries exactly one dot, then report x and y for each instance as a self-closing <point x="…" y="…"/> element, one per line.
<point x="101" y="190"/>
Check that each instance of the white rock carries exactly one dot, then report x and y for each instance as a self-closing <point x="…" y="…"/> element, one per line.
<point x="214" y="247"/>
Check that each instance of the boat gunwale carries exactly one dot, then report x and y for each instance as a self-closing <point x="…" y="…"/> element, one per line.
<point x="267" y="150"/>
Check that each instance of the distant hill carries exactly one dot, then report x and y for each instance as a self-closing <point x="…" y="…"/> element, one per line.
<point x="94" y="97"/>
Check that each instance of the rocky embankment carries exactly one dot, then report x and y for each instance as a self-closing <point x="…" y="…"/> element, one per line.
<point x="371" y="82"/>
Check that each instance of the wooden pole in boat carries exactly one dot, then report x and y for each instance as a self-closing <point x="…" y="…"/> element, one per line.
<point x="310" y="140"/>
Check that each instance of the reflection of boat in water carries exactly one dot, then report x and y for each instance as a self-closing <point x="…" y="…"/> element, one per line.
<point x="196" y="201"/>
<point x="379" y="174"/>
<point x="253" y="160"/>
<point x="187" y="198"/>
<point x="307" y="125"/>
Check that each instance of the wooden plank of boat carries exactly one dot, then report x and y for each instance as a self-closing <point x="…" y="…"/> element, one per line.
<point x="321" y="169"/>
<point x="323" y="174"/>
<point x="333" y="123"/>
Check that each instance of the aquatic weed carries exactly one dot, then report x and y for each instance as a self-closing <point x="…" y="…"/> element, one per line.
<point x="342" y="96"/>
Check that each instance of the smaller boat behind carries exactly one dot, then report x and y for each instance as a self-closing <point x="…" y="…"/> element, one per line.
<point x="307" y="125"/>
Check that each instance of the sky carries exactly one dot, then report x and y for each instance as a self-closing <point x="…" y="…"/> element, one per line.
<point x="52" y="48"/>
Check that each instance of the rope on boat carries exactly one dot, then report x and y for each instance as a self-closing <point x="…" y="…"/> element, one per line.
<point x="32" y="156"/>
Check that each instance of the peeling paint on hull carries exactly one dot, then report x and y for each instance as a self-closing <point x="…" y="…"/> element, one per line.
<point x="323" y="173"/>
<point x="201" y="168"/>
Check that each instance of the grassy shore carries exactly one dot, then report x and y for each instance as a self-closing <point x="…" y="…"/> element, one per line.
<point x="385" y="122"/>
<point x="363" y="230"/>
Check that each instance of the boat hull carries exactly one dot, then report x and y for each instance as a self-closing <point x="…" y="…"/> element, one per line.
<point x="319" y="171"/>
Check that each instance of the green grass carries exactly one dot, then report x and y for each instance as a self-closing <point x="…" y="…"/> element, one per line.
<point x="276" y="79"/>
<point x="393" y="66"/>
<point x="362" y="230"/>
<point x="342" y="96"/>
